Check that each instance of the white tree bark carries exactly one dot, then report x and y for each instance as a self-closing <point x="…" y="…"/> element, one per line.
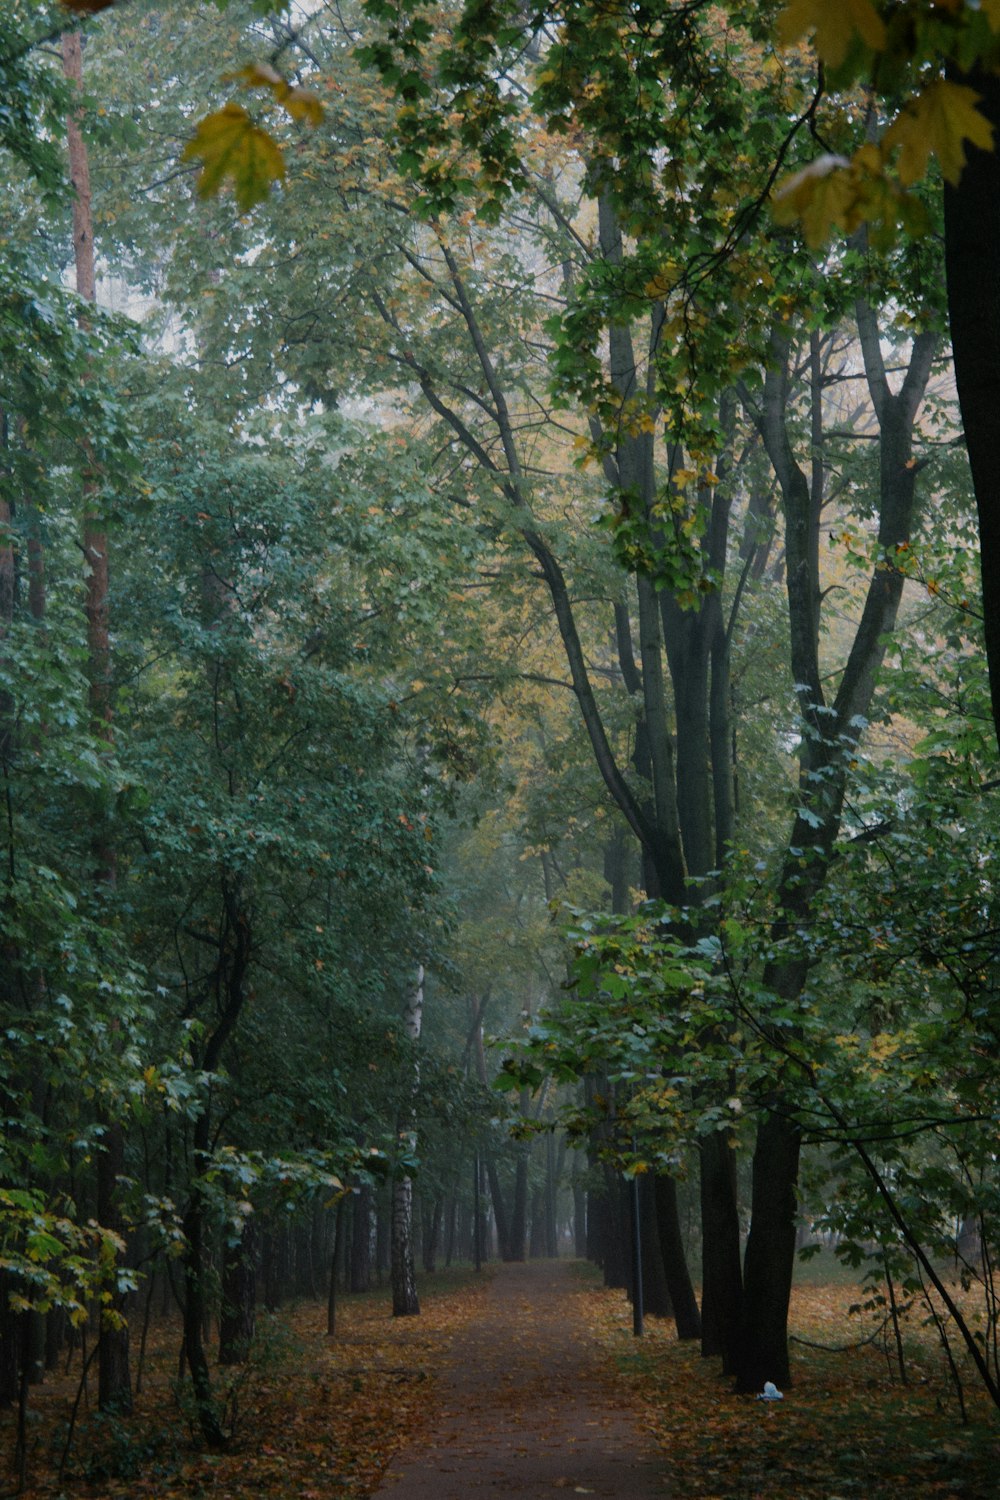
<point x="405" y="1302"/>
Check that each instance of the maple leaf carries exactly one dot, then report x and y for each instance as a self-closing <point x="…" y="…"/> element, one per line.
<point x="834" y="26"/>
<point x="229" y="144"/>
<point x="941" y="118"/>
<point x="821" y="196"/>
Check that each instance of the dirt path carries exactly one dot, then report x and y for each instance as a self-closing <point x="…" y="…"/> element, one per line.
<point x="530" y="1405"/>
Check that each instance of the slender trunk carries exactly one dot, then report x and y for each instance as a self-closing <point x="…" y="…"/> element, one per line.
<point x="405" y="1302"/>
<point x="518" y="1230"/>
<point x="336" y="1257"/>
<point x="615" y="1235"/>
<point x="499" y="1207"/>
<point x="679" y="1285"/>
<point x="114" y="1382"/>
<point x="361" y="1239"/>
<point x="552" y="1173"/>
<point x="431" y="1232"/>
<point x="195" y="1306"/>
<point x="492" y="1175"/>
<point x="580" y="1217"/>
<point x="238" y="1316"/>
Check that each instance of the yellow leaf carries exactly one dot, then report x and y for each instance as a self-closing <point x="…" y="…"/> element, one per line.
<point x="834" y="23"/>
<point x="991" y="10"/>
<point x="255" y="76"/>
<point x="301" y="104"/>
<point x="941" y="118"/>
<point x="229" y="144"/>
<point x="820" y="196"/>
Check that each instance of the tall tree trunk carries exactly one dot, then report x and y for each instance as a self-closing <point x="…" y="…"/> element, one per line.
<point x="518" y="1230"/>
<point x="336" y="1262"/>
<point x="405" y="1302"/>
<point x="504" y="1241"/>
<point x="972" y="263"/>
<point x="831" y="732"/>
<point x="580" y="1227"/>
<point x="195" y="1309"/>
<point x="551" y="1190"/>
<point x="114" y="1381"/>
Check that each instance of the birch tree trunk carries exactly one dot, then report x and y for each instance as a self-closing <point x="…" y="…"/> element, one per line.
<point x="405" y="1302"/>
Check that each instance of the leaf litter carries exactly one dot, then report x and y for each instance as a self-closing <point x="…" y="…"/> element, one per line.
<point x="321" y="1419"/>
<point x="847" y="1429"/>
<point x="311" y="1417"/>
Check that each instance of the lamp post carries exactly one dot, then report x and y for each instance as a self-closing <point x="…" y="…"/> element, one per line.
<point x="637" y="1299"/>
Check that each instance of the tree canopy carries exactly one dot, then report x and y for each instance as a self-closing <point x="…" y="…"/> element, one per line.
<point x="498" y="658"/>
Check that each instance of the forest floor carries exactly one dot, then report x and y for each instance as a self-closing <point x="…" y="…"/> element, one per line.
<point x="523" y="1381"/>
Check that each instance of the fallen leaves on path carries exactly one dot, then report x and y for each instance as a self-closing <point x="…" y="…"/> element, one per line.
<point x="320" y="1420"/>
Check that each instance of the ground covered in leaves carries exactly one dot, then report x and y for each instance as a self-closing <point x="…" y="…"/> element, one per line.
<point x="312" y="1418"/>
<point x="320" y="1419"/>
<point x="847" y="1428"/>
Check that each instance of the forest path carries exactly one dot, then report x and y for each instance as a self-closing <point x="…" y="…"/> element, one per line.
<point x="529" y="1404"/>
